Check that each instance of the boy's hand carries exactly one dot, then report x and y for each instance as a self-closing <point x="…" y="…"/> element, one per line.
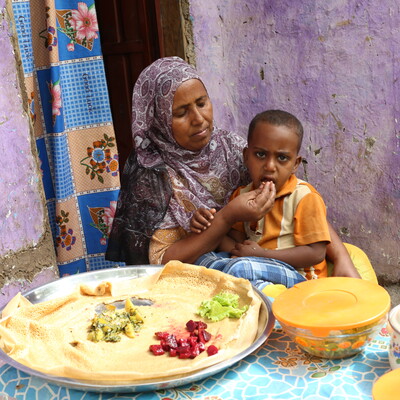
<point x="201" y="219"/>
<point x="247" y="249"/>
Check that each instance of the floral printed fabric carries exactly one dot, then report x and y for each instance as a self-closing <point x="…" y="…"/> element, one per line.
<point x="71" y="117"/>
<point x="163" y="183"/>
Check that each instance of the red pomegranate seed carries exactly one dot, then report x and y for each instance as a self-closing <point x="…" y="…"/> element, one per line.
<point x="211" y="350"/>
<point x="156" y="349"/>
<point x="173" y="353"/>
<point x="192" y="340"/>
<point x="182" y="342"/>
<point x="162" y="335"/>
<point x="164" y="346"/>
<point x="201" y="325"/>
<point x="171" y="341"/>
<point x="191" y="325"/>
<point x="189" y="347"/>
<point x="204" y="336"/>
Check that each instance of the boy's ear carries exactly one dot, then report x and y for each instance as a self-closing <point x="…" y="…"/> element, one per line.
<point x="296" y="165"/>
<point x="245" y="151"/>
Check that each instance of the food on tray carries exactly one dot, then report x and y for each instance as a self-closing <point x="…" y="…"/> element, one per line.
<point x="338" y="343"/>
<point x="223" y="305"/>
<point x="110" y="324"/>
<point x="182" y="347"/>
<point x="52" y="336"/>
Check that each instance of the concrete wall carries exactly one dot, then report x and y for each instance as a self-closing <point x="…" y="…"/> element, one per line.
<point x="335" y="65"/>
<point x="27" y="257"/>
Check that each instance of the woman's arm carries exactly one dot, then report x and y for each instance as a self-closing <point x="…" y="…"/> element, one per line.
<point x="202" y="219"/>
<point x="339" y="256"/>
<point x="229" y="241"/>
<point x="249" y="206"/>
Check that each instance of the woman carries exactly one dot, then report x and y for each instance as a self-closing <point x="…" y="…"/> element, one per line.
<point x="180" y="162"/>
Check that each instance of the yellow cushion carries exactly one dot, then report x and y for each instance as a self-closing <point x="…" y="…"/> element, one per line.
<point x="360" y="261"/>
<point x="274" y="290"/>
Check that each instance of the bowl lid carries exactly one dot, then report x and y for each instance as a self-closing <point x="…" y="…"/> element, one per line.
<point x="387" y="386"/>
<point x="332" y="303"/>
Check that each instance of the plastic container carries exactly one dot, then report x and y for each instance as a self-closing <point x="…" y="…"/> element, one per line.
<point x="387" y="387"/>
<point x="332" y="317"/>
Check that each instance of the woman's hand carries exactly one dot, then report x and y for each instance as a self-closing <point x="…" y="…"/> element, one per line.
<point x="251" y="206"/>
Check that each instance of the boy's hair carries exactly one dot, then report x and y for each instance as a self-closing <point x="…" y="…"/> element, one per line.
<point x="277" y="118"/>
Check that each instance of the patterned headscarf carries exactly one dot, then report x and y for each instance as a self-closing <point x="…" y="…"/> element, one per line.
<point x="164" y="183"/>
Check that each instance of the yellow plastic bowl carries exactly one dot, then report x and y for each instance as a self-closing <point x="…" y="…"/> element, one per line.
<point x="387" y="386"/>
<point x="332" y="317"/>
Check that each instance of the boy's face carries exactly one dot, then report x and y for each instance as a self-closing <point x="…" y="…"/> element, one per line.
<point x="272" y="154"/>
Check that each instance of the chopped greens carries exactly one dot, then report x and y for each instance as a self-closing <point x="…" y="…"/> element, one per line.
<point x="223" y="305"/>
<point x="110" y="324"/>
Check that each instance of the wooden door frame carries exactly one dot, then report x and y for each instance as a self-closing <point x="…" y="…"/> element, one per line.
<point x="165" y="27"/>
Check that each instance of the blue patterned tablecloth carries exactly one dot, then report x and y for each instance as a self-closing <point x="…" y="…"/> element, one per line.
<point x="277" y="370"/>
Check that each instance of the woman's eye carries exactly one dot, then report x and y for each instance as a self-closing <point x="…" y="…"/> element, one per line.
<point x="179" y="114"/>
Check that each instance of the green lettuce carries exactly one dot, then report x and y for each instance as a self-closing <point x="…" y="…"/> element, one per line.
<point x="223" y="305"/>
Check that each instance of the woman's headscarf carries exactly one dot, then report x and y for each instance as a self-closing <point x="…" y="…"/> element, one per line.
<point x="163" y="183"/>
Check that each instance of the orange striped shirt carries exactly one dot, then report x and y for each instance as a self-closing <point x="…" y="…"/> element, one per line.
<point x="297" y="218"/>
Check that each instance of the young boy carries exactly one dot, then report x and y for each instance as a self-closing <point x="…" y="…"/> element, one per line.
<point x="292" y="237"/>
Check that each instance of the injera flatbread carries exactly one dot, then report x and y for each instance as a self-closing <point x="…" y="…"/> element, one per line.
<point x="51" y="336"/>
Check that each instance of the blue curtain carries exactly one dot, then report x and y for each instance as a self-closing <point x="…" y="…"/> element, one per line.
<point x="59" y="43"/>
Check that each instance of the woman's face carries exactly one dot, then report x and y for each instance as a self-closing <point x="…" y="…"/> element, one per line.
<point x="192" y="115"/>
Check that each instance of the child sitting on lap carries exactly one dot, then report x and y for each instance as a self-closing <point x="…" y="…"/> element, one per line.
<point x="288" y="244"/>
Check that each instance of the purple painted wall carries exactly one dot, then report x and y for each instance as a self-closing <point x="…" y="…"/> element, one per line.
<point x="335" y="65"/>
<point x="27" y="257"/>
<point x="21" y="206"/>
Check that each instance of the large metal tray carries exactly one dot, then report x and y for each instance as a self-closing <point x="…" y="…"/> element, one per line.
<point x="66" y="285"/>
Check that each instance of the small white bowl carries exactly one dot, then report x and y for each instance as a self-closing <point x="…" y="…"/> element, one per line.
<point x="394" y="350"/>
